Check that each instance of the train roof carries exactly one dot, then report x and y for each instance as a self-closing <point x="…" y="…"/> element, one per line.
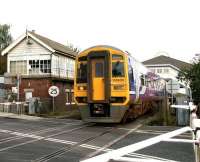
<point x="104" y="46"/>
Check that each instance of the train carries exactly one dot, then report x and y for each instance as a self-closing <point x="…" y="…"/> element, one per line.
<point x="111" y="86"/>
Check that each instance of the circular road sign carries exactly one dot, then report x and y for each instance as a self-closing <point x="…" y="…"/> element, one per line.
<point x="53" y="91"/>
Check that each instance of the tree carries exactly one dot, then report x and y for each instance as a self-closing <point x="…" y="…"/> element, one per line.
<point x="191" y="77"/>
<point x="73" y="48"/>
<point x="5" y="40"/>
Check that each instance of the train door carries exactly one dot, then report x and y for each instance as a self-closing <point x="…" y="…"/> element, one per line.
<point x="98" y="79"/>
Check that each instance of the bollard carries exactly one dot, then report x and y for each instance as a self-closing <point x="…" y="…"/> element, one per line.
<point x="193" y="115"/>
<point x="196" y="136"/>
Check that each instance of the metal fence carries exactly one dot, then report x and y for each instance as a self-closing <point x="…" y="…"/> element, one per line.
<point x="13" y="107"/>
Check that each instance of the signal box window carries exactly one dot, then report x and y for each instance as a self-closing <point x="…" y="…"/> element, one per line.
<point x="99" y="69"/>
<point x="117" y="69"/>
<point x="18" y="67"/>
<point x="82" y="73"/>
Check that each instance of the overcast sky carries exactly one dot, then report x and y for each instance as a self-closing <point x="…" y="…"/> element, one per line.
<point x="145" y="28"/>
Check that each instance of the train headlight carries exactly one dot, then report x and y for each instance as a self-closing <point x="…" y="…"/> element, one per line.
<point x="118" y="87"/>
<point x="81" y="88"/>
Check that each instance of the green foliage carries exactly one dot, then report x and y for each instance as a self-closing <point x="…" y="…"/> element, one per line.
<point x="192" y="77"/>
<point x="5" y="40"/>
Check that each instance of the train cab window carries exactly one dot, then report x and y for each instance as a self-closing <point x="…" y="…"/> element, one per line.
<point x="117" y="57"/>
<point x="117" y="69"/>
<point x="99" y="69"/>
<point x="82" y="73"/>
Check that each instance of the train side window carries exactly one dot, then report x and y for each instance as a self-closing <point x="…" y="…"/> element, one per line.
<point x="117" y="69"/>
<point x="82" y="73"/>
<point x="131" y="78"/>
<point x="99" y="69"/>
<point x="142" y="80"/>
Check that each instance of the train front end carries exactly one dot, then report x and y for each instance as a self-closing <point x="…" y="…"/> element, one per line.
<point x="101" y="84"/>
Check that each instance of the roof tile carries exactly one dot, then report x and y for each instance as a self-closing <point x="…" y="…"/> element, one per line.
<point x="58" y="47"/>
<point x="167" y="60"/>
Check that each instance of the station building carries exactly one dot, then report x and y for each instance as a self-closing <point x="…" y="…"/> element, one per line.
<point x="168" y="68"/>
<point x="165" y="66"/>
<point x="37" y="63"/>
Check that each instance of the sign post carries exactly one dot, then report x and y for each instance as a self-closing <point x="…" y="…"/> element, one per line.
<point x="172" y="87"/>
<point x="53" y="91"/>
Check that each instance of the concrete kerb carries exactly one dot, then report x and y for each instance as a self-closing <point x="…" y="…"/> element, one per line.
<point x="16" y="116"/>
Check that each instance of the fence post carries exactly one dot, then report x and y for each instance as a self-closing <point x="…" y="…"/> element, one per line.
<point x="197" y="149"/>
<point x="195" y="125"/>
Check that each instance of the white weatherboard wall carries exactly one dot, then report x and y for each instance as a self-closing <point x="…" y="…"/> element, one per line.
<point x="24" y="51"/>
<point x="2" y="80"/>
<point x="62" y="66"/>
<point x="172" y="73"/>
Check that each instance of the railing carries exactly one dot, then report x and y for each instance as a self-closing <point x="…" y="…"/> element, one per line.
<point x="12" y="107"/>
<point x="194" y="128"/>
<point x="55" y="72"/>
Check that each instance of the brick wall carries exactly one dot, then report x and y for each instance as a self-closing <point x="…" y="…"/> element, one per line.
<point x="60" y="100"/>
<point x="39" y="88"/>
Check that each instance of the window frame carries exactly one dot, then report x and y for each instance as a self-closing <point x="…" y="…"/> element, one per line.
<point x="99" y="71"/>
<point x="39" y="66"/>
<point x="118" y="76"/>
<point x="17" y="68"/>
<point x="78" y="78"/>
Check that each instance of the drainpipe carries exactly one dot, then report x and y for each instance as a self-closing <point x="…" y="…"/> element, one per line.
<point x="18" y="78"/>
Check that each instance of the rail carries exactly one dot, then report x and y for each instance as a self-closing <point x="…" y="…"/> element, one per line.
<point x="120" y="154"/>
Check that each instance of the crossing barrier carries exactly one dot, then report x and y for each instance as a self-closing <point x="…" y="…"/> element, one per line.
<point x="121" y="154"/>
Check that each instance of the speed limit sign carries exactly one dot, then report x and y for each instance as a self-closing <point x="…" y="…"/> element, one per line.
<point x="53" y="91"/>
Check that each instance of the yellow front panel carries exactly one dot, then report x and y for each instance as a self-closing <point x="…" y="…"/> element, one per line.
<point x="98" y="84"/>
<point x="98" y="89"/>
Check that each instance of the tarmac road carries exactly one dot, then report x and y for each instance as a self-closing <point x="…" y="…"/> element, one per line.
<point x="66" y="140"/>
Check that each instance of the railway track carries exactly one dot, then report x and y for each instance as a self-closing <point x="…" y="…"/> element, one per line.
<point x="67" y="149"/>
<point x="64" y="150"/>
<point x="39" y="138"/>
<point x="68" y="146"/>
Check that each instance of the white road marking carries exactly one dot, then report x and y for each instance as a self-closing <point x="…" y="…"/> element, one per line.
<point x="137" y="146"/>
<point x="37" y="138"/>
<point x="97" y="148"/>
<point x="137" y="160"/>
<point x="61" y="141"/>
<point x="114" y="141"/>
